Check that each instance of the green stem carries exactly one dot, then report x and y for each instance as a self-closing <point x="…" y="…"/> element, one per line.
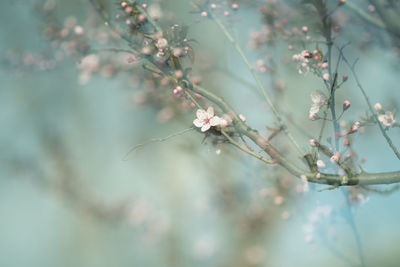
<point x="246" y="150"/>
<point x="362" y="178"/>
<point x="371" y="109"/>
<point x="149" y="18"/>
<point x="365" y="16"/>
<point x="351" y="222"/>
<point x="257" y="79"/>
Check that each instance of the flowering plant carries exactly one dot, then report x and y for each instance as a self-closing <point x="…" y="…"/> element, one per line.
<point x="290" y="56"/>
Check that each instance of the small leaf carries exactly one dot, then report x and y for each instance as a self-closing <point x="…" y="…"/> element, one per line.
<point x="151" y="68"/>
<point x="192" y="40"/>
<point x="191" y="54"/>
<point x="183" y="32"/>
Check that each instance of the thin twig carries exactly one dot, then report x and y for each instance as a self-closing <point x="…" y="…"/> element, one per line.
<point x="155" y="140"/>
<point x="371" y="109"/>
<point x="364" y="15"/>
<point x="245" y="149"/>
<point x="257" y="79"/>
<point x="362" y="178"/>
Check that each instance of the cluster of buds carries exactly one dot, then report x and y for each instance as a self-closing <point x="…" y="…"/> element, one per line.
<point x="170" y="45"/>
<point x="131" y="15"/>
<point x="219" y="7"/>
<point x="259" y="38"/>
<point x="178" y="91"/>
<point x="303" y="61"/>
<point x="307" y="61"/>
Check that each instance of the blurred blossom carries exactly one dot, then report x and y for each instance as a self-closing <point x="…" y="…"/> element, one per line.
<point x="318" y="98"/>
<point x="387" y="119"/>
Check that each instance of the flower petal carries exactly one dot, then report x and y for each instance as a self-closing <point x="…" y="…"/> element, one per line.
<point x="214" y="121"/>
<point x="201" y="114"/>
<point x="314" y="108"/>
<point x="205" y="127"/>
<point x="198" y="123"/>
<point x="318" y="97"/>
<point x="210" y="112"/>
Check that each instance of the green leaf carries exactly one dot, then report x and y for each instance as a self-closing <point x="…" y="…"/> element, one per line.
<point x="191" y="54"/>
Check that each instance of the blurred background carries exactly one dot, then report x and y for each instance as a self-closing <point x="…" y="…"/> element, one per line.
<point x="69" y="197"/>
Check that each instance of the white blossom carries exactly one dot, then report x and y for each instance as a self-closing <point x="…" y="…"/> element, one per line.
<point x="206" y="119"/>
<point x="318" y="99"/>
<point x="302" y="61"/>
<point x="378" y="106"/>
<point x="162" y="43"/>
<point x="387" y="119"/>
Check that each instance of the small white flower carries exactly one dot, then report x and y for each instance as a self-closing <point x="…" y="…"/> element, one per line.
<point x="318" y="99"/>
<point x="206" y="119"/>
<point x="302" y="61"/>
<point x="162" y="43"/>
<point x="387" y="119"/>
<point x="378" y="106"/>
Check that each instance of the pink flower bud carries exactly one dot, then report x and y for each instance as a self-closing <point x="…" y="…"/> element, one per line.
<point x="78" y="30"/>
<point x="335" y="158"/>
<point x="313" y="142"/>
<point x="378" y="106"/>
<point x="371" y="8"/>
<point x="177" y="52"/>
<point x="346" y="105"/>
<point x="128" y="9"/>
<point x="179" y="74"/>
<point x="142" y="17"/>
<point x="313" y="116"/>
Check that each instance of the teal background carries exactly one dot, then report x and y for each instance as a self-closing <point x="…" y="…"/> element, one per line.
<point x="53" y="128"/>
